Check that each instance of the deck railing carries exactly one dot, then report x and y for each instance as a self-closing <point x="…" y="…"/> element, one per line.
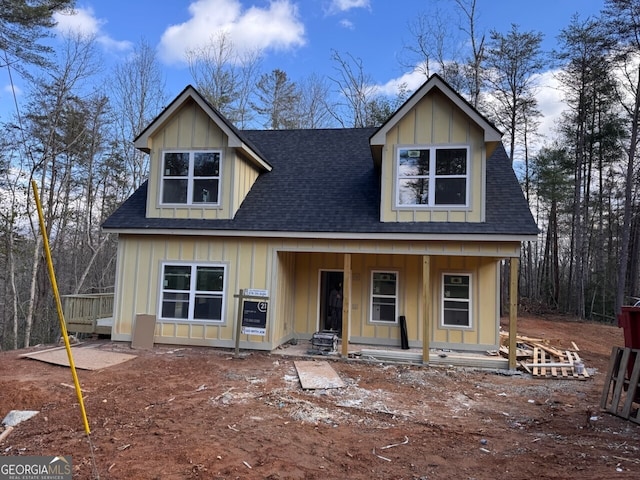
<point x="82" y="312"/>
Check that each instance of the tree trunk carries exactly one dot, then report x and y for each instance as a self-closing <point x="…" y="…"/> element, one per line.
<point x="13" y="289"/>
<point x="32" y="292"/>
<point x="628" y="207"/>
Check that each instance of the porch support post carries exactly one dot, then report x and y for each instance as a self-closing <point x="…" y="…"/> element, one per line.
<point x="513" y="311"/>
<point x="346" y="305"/>
<point x="426" y="307"/>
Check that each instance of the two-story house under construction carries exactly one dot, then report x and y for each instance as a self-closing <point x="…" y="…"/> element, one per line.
<point x="347" y="229"/>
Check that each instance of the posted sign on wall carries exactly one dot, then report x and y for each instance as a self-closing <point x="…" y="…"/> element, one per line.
<point x="254" y="317"/>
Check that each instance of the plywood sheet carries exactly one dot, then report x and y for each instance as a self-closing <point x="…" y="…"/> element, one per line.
<point x="84" y="358"/>
<point x="143" y="332"/>
<point x="315" y="375"/>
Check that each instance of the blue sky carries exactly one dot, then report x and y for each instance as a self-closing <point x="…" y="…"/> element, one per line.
<point x="298" y="36"/>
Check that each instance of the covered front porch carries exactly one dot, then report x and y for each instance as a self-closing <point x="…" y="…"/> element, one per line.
<point x="426" y="354"/>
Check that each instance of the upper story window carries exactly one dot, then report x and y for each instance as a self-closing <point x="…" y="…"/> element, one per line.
<point x="432" y="176"/>
<point x="191" y="177"/>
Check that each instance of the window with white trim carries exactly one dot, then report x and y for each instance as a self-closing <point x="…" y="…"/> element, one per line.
<point x="384" y="296"/>
<point x="191" y="177"/>
<point x="456" y="300"/>
<point x="193" y="292"/>
<point x="432" y="176"/>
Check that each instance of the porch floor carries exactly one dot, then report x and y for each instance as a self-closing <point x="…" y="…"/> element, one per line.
<point x="376" y="353"/>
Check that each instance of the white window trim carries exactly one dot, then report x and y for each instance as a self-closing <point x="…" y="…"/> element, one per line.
<point x="396" y="296"/>
<point x="470" y="301"/>
<point x="432" y="177"/>
<point x="190" y="178"/>
<point x="192" y="293"/>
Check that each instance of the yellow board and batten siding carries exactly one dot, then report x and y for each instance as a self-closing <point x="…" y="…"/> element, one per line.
<point x="434" y="120"/>
<point x="290" y="270"/>
<point x="140" y="262"/>
<point x="190" y="128"/>
<point x="483" y="331"/>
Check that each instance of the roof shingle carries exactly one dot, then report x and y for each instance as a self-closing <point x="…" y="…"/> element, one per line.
<point x="324" y="180"/>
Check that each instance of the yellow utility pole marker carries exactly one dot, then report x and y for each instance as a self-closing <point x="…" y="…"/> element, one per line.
<point x="63" y="325"/>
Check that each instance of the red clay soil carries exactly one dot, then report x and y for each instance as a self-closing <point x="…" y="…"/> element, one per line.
<point x="186" y="413"/>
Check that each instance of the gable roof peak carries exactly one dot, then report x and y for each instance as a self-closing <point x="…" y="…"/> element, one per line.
<point x="236" y="137"/>
<point x="435" y="81"/>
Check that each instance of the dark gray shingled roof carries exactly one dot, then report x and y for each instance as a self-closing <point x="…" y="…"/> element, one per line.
<point x="324" y="180"/>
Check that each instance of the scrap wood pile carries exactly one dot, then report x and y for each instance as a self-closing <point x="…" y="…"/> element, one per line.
<point x="537" y="357"/>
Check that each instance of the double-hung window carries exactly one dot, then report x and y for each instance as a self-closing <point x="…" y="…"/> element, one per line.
<point x="432" y="176"/>
<point x="384" y="296"/>
<point x="456" y="300"/>
<point x="191" y="177"/>
<point x="193" y="292"/>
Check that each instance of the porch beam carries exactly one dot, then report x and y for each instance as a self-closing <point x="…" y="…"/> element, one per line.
<point x="426" y="307"/>
<point x="346" y="304"/>
<point x="513" y="310"/>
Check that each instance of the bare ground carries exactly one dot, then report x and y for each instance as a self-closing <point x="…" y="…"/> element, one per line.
<point x="186" y="413"/>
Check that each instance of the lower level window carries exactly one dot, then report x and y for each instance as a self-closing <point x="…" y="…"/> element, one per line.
<point x="384" y="296"/>
<point x="456" y="301"/>
<point x="193" y="292"/>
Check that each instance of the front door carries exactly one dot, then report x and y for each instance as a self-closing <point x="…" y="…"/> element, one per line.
<point x="331" y="300"/>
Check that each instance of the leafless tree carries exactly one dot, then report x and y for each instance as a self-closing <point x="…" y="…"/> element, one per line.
<point x="355" y="89"/>
<point x="433" y="47"/>
<point x="314" y="104"/>
<point x="474" y="62"/>
<point x="225" y="76"/>
<point x="56" y="134"/>
<point x="137" y="95"/>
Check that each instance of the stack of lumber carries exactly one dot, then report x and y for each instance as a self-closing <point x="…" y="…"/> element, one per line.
<point x="537" y="357"/>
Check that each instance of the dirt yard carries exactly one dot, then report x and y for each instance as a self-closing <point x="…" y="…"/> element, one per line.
<point x="186" y="413"/>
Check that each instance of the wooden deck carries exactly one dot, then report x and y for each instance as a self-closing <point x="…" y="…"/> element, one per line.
<point x="88" y="313"/>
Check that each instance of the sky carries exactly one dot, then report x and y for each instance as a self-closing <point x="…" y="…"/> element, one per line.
<point x="298" y="36"/>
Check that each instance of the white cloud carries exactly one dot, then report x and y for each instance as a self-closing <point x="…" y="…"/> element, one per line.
<point x="83" y="22"/>
<point x="550" y="103"/>
<point x="276" y="27"/>
<point x="344" y="5"/>
<point x="80" y="21"/>
<point x="12" y="89"/>
<point x="348" y="24"/>
<point x="412" y="80"/>
<point x="112" y="45"/>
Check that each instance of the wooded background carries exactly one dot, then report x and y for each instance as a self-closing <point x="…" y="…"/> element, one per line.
<point x="74" y="134"/>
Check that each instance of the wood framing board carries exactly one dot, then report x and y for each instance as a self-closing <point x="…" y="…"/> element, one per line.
<point x="521" y="353"/>
<point x="317" y="375"/>
<point x="84" y="358"/>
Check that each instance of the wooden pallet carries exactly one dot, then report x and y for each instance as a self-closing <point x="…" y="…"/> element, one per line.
<point x="554" y="363"/>
<point x="621" y="393"/>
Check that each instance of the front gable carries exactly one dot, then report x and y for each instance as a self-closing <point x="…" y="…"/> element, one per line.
<point x="432" y="156"/>
<point x="201" y="167"/>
